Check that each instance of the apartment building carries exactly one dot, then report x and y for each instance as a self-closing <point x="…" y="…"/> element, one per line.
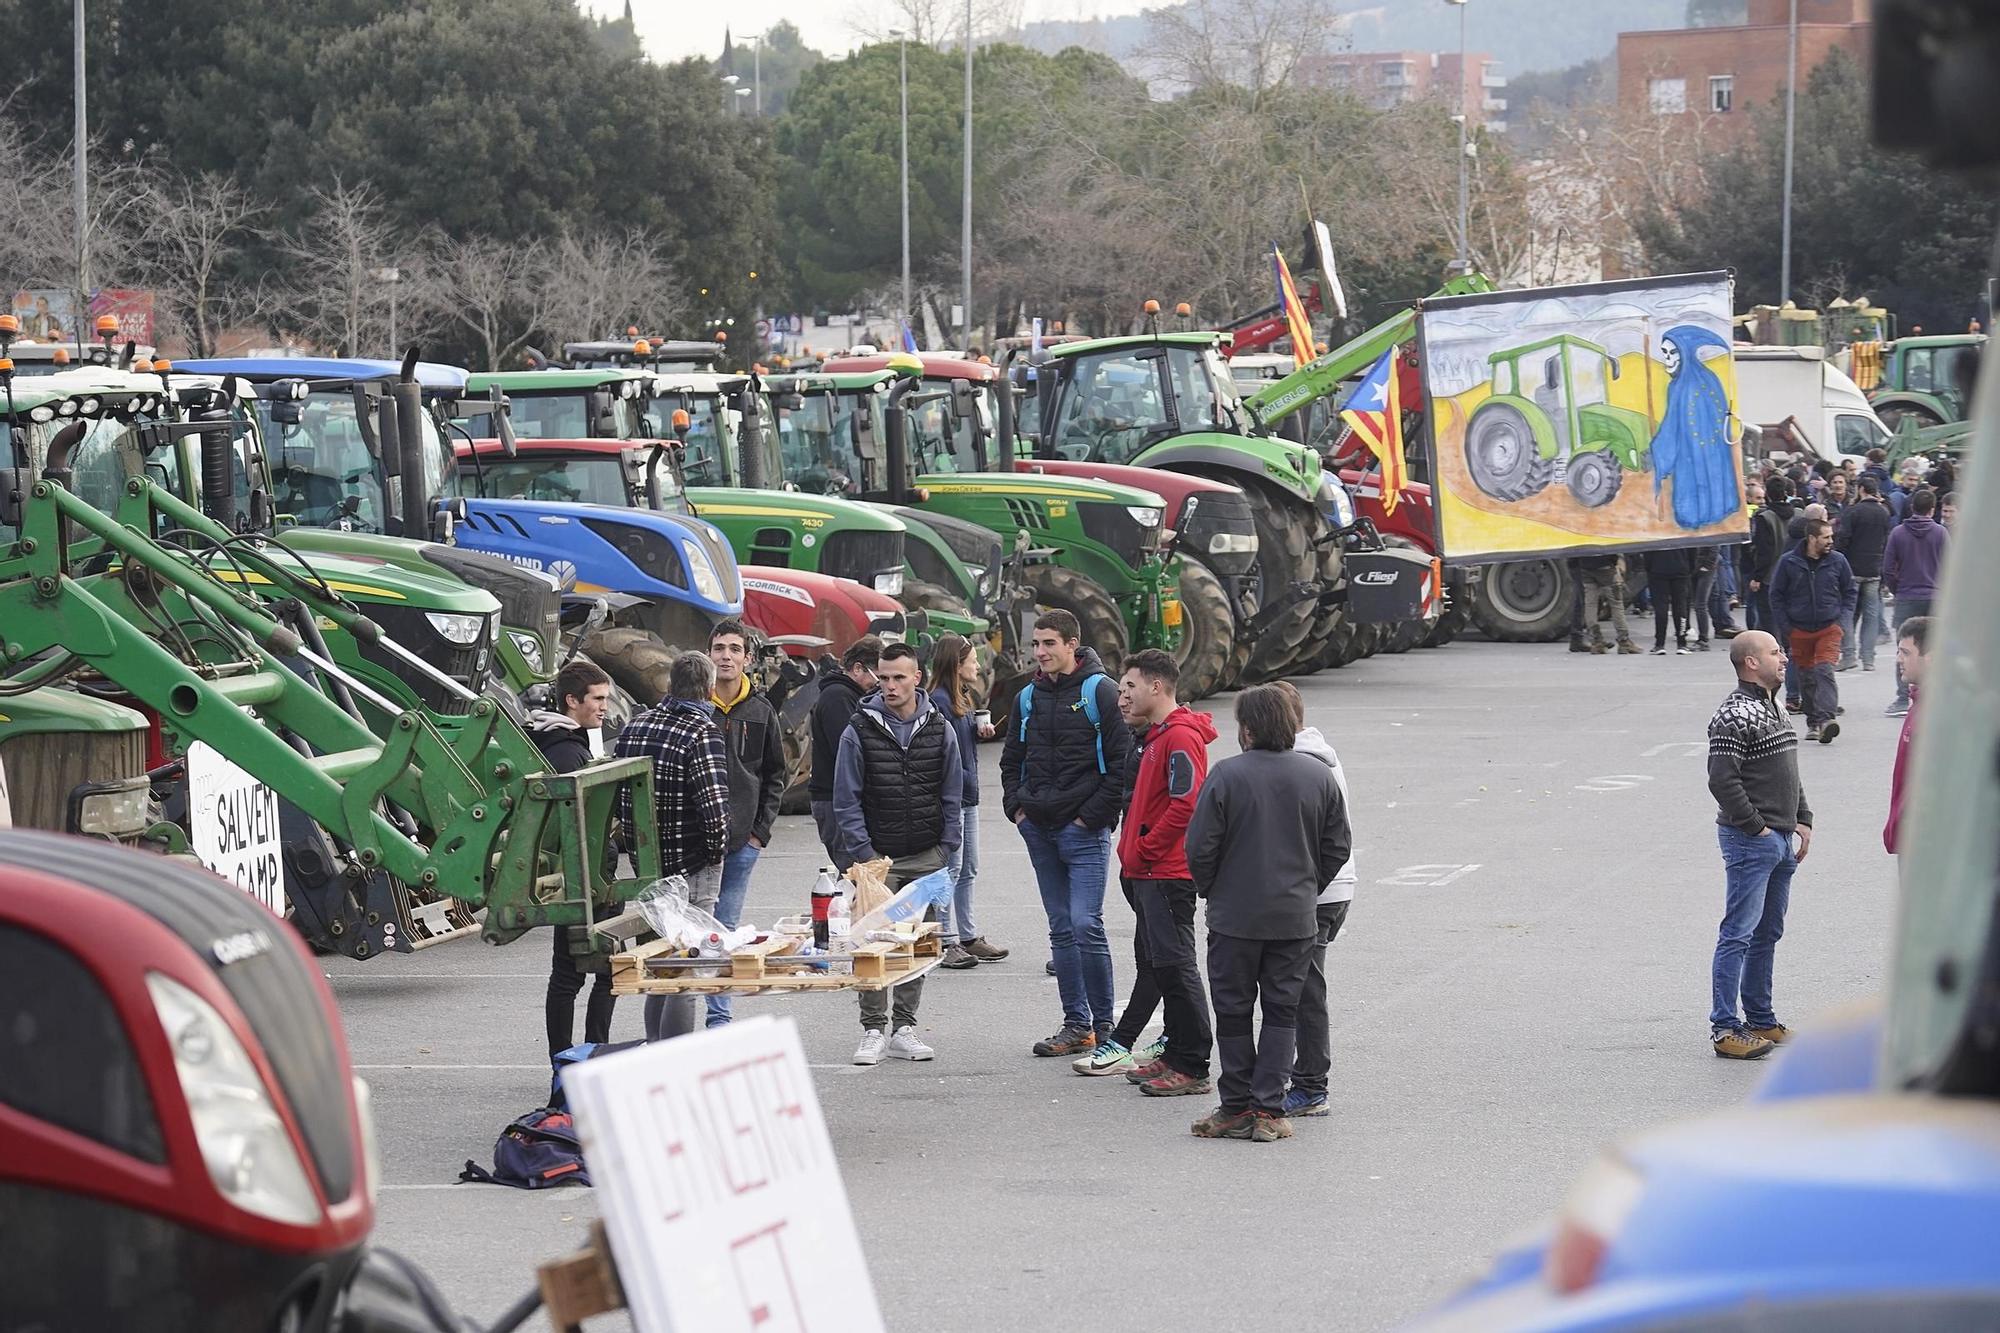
<point x="1721" y="72"/>
<point x="1386" y="79"/>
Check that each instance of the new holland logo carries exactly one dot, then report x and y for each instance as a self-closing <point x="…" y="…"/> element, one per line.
<point x="564" y="573"/>
<point x="1375" y="578"/>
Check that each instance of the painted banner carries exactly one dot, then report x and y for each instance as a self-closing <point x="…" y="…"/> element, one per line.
<point x="1588" y="418"/>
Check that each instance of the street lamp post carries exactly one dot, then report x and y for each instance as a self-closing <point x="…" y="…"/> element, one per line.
<point x="390" y="278"/>
<point x="903" y="81"/>
<point x="965" y="212"/>
<point x="1791" y="114"/>
<point x="729" y="82"/>
<point x="80" y="181"/>
<point x="1464" y="119"/>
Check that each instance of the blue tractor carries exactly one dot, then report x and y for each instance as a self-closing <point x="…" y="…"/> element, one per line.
<point x="355" y="446"/>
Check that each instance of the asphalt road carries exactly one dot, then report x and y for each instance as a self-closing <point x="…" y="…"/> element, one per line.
<point x="1523" y="978"/>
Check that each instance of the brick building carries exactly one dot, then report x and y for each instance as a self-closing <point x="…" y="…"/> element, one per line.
<point x="1721" y="72"/>
<point x="1385" y="79"/>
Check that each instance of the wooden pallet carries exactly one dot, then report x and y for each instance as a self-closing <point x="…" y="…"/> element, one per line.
<point x="771" y="965"/>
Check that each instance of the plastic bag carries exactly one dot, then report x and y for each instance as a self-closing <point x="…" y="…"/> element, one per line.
<point x="909" y="904"/>
<point x="682" y="924"/>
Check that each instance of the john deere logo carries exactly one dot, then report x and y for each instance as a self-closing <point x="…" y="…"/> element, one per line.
<point x="564" y="573"/>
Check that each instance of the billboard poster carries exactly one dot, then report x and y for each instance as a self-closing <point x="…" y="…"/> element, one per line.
<point x="1588" y="418"/>
<point x="48" y="315"/>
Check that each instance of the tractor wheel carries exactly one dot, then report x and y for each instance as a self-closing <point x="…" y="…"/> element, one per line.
<point x="1456" y="617"/>
<point x="635" y="660"/>
<point x="1892" y="416"/>
<point x="1339" y="649"/>
<point x="1501" y="454"/>
<point x="921" y="596"/>
<point x="1060" y="589"/>
<point x="1405" y="635"/>
<point x="1523" y="601"/>
<point x="1367" y="640"/>
<point x="1285" y="555"/>
<point x="1208" y="631"/>
<point x="1594" y="478"/>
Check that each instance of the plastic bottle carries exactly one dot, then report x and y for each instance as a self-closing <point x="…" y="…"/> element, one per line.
<point x="837" y="924"/>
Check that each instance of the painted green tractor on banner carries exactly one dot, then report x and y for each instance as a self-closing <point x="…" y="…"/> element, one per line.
<point x="1561" y="430"/>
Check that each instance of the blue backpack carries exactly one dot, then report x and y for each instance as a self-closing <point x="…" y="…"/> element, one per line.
<point x="1087" y="700"/>
<point x="576" y="1055"/>
<point x="538" y="1151"/>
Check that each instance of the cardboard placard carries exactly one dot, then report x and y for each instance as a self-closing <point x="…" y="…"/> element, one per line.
<point x="233" y="826"/>
<point x="721" y="1194"/>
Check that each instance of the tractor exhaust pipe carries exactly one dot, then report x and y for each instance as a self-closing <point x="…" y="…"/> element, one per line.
<point x="416" y="505"/>
<point x="895" y="425"/>
<point x="750" y="456"/>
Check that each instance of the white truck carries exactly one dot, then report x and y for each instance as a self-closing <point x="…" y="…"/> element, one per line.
<point x="1802" y="404"/>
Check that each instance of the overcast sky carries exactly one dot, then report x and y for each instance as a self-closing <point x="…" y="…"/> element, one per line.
<point x="675" y="28"/>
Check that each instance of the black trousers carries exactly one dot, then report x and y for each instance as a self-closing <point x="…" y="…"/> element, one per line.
<point x="1243" y="973"/>
<point x="1315" y="1058"/>
<point x="1677" y="590"/>
<point x="1166" y="974"/>
<point x="559" y="1007"/>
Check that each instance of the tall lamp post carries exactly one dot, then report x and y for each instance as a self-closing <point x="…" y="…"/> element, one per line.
<point x="1465" y="150"/>
<point x="757" y="73"/>
<point x="1791" y="113"/>
<point x="965" y="212"/>
<point x="80" y="182"/>
<point x="903" y="82"/>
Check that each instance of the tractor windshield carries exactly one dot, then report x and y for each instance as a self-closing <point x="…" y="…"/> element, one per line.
<point x="1115" y="404"/>
<point x="321" y="469"/>
<point x="940" y="439"/>
<point x="710" y="459"/>
<point x="820" y="445"/>
<point x="575" y="414"/>
<point x="592" y="479"/>
<point x="1588" y="376"/>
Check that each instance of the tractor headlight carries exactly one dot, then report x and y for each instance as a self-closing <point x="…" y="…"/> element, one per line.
<point x="66" y="408"/>
<point x="1144" y="516"/>
<point x="1335" y="502"/>
<point x="112" y="810"/>
<point x="461" y="630"/>
<point x="243" y="1139"/>
<point x="890" y="584"/>
<point x="702" y="571"/>
<point x="1232" y="543"/>
<point x="530" y="648"/>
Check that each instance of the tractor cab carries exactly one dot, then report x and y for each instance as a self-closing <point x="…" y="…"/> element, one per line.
<point x="1111" y="399"/>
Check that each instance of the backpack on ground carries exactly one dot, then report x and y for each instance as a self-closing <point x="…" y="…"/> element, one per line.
<point x="576" y="1055"/>
<point x="540" y="1150"/>
<point x="1088" y="699"/>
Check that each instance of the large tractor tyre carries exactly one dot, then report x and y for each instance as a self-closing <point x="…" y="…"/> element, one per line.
<point x="1892" y="415"/>
<point x="1501" y="454"/>
<point x="921" y="596"/>
<point x="636" y="661"/>
<point x="1285" y="556"/>
<point x="1524" y="601"/>
<point x="1594" y="478"/>
<point x="1453" y="621"/>
<point x="1208" y="632"/>
<point x="1059" y="589"/>
<point x="1405" y="635"/>
<point x="1339" y="648"/>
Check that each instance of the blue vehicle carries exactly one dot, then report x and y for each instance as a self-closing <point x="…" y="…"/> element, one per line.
<point x="355" y="445"/>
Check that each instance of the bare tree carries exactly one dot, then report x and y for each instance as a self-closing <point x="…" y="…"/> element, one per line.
<point x="602" y="282"/>
<point x="1252" y="44"/>
<point x="192" y="229"/>
<point x="335" y="296"/>
<point x="1622" y="168"/>
<point x="501" y="293"/>
<point x="38" y="241"/>
<point x="934" y="22"/>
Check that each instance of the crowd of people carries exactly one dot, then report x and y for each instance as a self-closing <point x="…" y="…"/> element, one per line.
<point x="1262" y="840"/>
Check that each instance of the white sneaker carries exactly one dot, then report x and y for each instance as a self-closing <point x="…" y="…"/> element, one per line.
<point x="905" y="1046"/>
<point x="869" y="1052"/>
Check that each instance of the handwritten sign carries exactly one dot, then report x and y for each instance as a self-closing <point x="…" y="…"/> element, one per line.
<point x="233" y="826"/>
<point x="721" y="1194"/>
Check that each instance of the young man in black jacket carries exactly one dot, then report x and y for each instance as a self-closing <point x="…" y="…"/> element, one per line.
<point x="754" y="749"/>
<point x="1268" y="834"/>
<point x="582" y="691"/>
<point x="842" y="686"/>
<point x="1768" y="540"/>
<point x="1062" y="773"/>
<point x="1861" y="535"/>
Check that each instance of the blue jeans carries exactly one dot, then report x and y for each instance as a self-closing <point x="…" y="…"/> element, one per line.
<point x="1868" y="614"/>
<point x="1070" y="866"/>
<point x="736" y="868"/>
<point x="1759" y="874"/>
<point x="964" y="868"/>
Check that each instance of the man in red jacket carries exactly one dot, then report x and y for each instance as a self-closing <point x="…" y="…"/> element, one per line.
<point x="1913" y="658"/>
<point x="1166" y="777"/>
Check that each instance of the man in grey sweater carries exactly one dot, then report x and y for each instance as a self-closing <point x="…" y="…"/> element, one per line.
<point x="1269" y="831"/>
<point x="1753" y="773"/>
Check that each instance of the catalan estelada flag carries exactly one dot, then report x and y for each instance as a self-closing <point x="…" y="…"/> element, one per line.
<point x="1375" y="414"/>
<point x="1297" y="321"/>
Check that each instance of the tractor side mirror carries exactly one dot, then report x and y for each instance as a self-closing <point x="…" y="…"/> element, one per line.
<point x="388" y="439"/>
<point x="1613" y="363"/>
<point x="1552" y="372"/>
<point x="15" y="483"/>
<point x="965" y="400"/>
<point x="503" y="423"/>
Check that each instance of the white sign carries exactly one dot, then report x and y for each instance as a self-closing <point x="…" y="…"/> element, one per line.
<point x="233" y="826"/>
<point x="721" y="1193"/>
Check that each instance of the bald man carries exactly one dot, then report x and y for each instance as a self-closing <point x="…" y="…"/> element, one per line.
<point x="1765" y="829"/>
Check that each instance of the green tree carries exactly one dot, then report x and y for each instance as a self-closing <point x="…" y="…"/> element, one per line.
<point x="777" y="68"/>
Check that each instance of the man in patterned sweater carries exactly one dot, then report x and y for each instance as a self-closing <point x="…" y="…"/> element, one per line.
<point x="1765" y="828"/>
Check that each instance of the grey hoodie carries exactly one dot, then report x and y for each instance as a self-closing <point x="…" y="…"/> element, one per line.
<point x="1340" y="888"/>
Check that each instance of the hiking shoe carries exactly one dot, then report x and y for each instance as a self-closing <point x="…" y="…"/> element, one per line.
<point x="1174" y="1083"/>
<point x="1812" y="733"/>
<point x="1069" y="1041"/>
<point x="1151" y="1069"/>
<point x="1738" y="1044"/>
<point x="1627" y="648"/>
<point x="980" y="949"/>
<point x="1900" y="708"/>
<point x="1827" y="733"/>
<point x="958" y="958"/>
<point x="1777" y="1036"/>
<point x="1300" y="1102"/>
<point x="1050" y="967"/>
<point x="1577" y="646"/>
<point x="1221" y="1124"/>
<point x="1108" y="1058"/>
<point x="873" y="1042"/>
<point x="905" y="1046"/>
<point x="1600" y="649"/>
<point x="1268" y="1128"/>
<point x="1156" y="1049"/>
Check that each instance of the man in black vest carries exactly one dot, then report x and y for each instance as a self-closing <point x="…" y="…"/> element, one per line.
<point x="897" y="792"/>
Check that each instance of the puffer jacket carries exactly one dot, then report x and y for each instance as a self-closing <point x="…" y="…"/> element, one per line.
<point x="1052" y="776"/>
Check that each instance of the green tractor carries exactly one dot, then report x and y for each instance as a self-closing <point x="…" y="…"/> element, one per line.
<point x="1096" y="549"/>
<point x="1562" y="430"/>
<point x="1927" y="379"/>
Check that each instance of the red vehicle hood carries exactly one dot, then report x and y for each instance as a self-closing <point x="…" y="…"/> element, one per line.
<point x="1173" y="487"/>
<point x="797" y="601"/>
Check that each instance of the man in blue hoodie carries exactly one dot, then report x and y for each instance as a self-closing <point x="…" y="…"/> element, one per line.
<point x="1812" y="593"/>
<point x="1911" y="562"/>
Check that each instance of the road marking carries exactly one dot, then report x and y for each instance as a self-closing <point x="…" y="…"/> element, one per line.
<point x="1614" y="782"/>
<point x="541" y="1068"/>
<point x="393" y="975"/>
<point x="1429" y="876"/>
<point x="1686" y="748"/>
